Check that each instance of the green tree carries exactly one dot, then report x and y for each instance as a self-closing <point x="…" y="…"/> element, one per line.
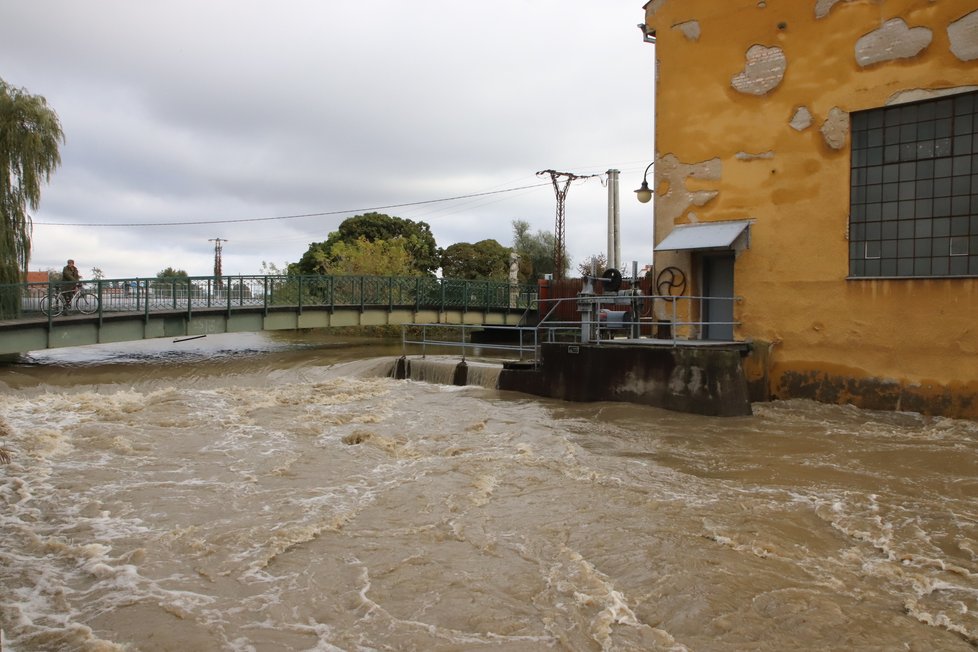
<point x="486" y="259"/>
<point x="271" y="269"/>
<point x="371" y="258"/>
<point x="165" y="280"/>
<point x="536" y="252"/>
<point x="418" y="241"/>
<point x="599" y="262"/>
<point x="30" y="140"/>
<point x="169" y="272"/>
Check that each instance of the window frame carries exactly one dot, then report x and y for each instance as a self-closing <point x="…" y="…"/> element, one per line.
<point x="913" y="196"/>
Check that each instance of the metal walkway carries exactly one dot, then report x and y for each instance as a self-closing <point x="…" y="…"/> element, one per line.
<point x="134" y="309"/>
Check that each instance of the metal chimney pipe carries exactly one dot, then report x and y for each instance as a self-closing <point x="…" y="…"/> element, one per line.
<point x="614" y="219"/>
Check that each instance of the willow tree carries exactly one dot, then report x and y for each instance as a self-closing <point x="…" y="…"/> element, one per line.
<point x="30" y="139"/>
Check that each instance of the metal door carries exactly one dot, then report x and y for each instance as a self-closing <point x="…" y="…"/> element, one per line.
<point x="718" y="292"/>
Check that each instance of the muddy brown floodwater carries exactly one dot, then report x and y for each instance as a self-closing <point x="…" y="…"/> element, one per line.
<point x="260" y="492"/>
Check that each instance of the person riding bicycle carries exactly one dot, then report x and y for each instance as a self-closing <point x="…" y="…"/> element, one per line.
<point x="70" y="281"/>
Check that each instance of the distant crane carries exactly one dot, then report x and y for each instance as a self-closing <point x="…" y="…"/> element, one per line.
<point x="560" y="189"/>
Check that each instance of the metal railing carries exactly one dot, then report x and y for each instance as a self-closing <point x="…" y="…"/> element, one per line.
<point x="604" y="319"/>
<point x="147" y="295"/>
<point x="459" y="336"/>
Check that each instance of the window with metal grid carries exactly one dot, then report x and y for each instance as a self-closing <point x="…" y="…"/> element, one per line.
<point x="914" y="191"/>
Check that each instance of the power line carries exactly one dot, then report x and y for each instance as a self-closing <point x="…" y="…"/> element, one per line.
<point x="294" y="217"/>
<point x="561" y="192"/>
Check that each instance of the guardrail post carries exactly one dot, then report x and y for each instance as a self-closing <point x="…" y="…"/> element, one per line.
<point x="299" y="301"/>
<point x="675" y="316"/>
<point x="146" y="302"/>
<point x="98" y="297"/>
<point x="51" y="297"/>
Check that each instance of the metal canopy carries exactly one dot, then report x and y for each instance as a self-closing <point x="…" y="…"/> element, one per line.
<point x="712" y="235"/>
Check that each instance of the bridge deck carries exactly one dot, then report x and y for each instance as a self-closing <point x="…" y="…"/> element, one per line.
<point x="132" y="309"/>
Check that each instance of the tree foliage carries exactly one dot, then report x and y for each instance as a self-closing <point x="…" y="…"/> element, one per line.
<point x="170" y="272"/>
<point x="30" y="140"/>
<point x="372" y="227"/>
<point x="486" y="259"/>
<point x="363" y="257"/>
<point x="271" y="269"/>
<point x="536" y="252"/>
<point x="165" y="278"/>
<point x="599" y="262"/>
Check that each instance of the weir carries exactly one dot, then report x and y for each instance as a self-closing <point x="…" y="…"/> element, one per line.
<point x="707" y="380"/>
<point x="650" y="350"/>
<point x="699" y="380"/>
<point x="447" y="371"/>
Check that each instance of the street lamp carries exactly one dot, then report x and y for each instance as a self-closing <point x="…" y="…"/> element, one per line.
<point x="644" y="194"/>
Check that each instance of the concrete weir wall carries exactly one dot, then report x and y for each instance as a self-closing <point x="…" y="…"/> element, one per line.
<point x="447" y="372"/>
<point x="700" y="380"/>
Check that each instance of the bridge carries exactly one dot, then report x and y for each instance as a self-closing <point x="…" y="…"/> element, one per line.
<point x="143" y="308"/>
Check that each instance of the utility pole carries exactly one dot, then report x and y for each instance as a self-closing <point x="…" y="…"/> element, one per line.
<point x="560" y="189"/>
<point x="217" y="259"/>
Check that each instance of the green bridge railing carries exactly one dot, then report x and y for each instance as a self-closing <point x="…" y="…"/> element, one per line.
<point x="146" y="295"/>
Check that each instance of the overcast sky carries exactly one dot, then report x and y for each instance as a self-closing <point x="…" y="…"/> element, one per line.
<point x="220" y="111"/>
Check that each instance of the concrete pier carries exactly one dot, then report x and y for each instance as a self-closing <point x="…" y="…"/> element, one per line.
<point x="706" y="380"/>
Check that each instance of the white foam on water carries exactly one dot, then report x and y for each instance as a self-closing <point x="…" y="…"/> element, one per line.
<point x="330" y="508"/>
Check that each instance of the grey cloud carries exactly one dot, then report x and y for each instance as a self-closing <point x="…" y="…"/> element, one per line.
<point x="184" y="111"/>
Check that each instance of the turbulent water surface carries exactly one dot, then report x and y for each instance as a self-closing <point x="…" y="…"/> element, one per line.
<point x="256" y="492"/>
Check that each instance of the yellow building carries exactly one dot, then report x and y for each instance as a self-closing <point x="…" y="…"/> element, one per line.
<point x="818" y="159"/>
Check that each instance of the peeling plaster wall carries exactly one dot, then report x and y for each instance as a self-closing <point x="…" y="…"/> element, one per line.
<point x="894" y="40"/>
<point x="681" y="187"/>
<point x="674" y="196"/>
<point x="762" y="72"/>
<point x="802" y="119"/>
<point x="752" y="121"/>
<point x="823" y="7"/>
<point x="690" y="29"/>
<point x="917" y="94"/>
<point x="963" y="35"/>
<point x="835" y="129"/>
<point x="747" y="156"/>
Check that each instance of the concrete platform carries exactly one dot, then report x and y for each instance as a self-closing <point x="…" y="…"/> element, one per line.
<point x="704" y="378"/>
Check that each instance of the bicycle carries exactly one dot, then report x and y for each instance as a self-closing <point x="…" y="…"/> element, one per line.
<point x="81" y="300"/>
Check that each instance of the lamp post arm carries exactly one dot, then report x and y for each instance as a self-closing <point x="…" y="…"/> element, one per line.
<point x="644" y="193"/>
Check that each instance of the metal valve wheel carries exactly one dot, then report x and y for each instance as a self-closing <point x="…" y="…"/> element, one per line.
<point x="671" y="281"/>
<point x="613" y="277"/>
